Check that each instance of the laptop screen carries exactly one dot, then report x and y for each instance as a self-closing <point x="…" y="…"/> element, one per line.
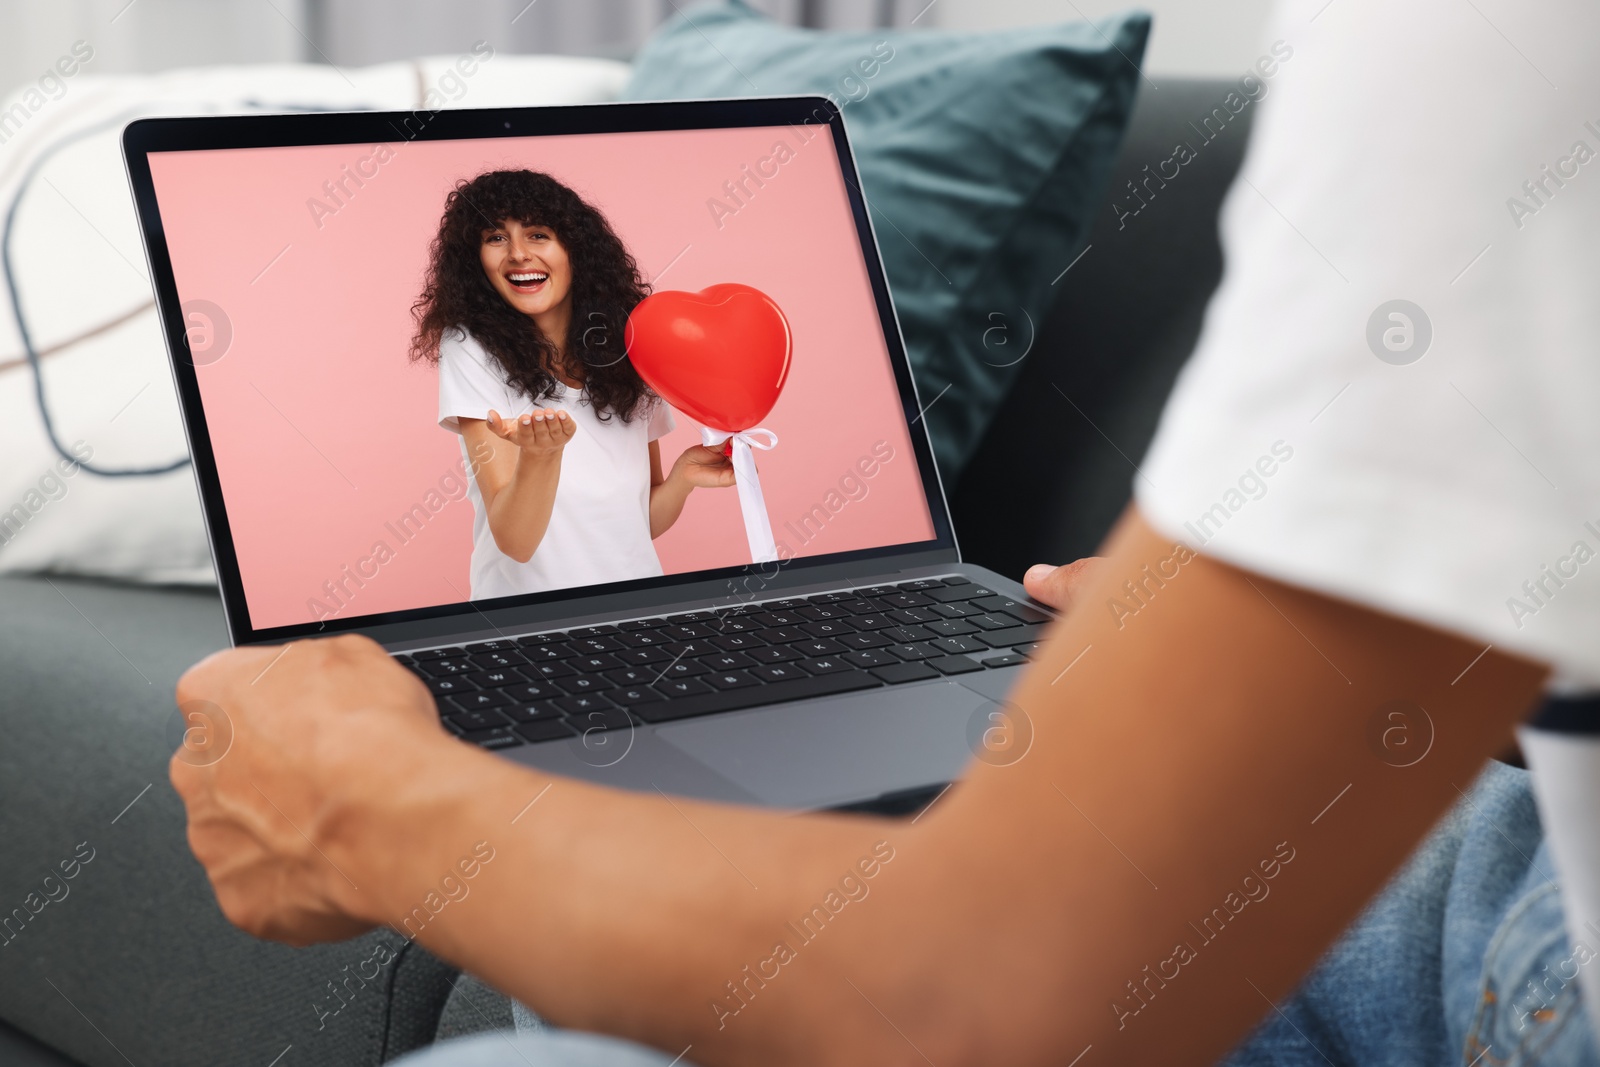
<point x="355" y="312"/>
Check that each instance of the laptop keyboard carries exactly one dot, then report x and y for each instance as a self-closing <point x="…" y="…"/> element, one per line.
<point x="559" y="685"/>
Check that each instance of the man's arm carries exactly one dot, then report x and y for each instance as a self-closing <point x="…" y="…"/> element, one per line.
<point x="1205" y="802"/>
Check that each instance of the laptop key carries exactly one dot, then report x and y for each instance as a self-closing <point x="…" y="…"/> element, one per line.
<point x="537" y="712"/>
<point x="951" y="594"/>
<point x="551" y="669"/>
<point x="908" y="634"/>
<point x="778" y="672"/>
<point x="439" y="668"/>
<point x="875" y="620"/>
<point x="737" y="642"/>
<point x="778" y="618"/>
<point x="600" y="719"/>
<point x="686" y="631"/>
<point x="829" y="628"/>
<point x="1023" y="612"/>
<point x="988" y="620"/>
<point x="776" y="653"/>
<point x="544" y="730"/>
<point x="922" y="585"/>
<point x="1011" y="636"/>
<point x="603" y="661"/>
<point x="693" y="649"/>
<point x="898" y="673"/>
<point x="684" y="668"/>
<point x="642" y="657"/>
<point x="872" y="657"/>
<point x="954" y="665"/>
<point x="729" y="623"/>
<point x="912" y="616"/>
<point x="499" y="645"/>
<point x="958" y="610"/>
<point x="918" y="651"/>
<point x="906" y="600"/>
<point x="482" y="719"/>
<point x="726" y="661"/>
<point x="643" y="638"/>
<point x="590" y="645"/>
<point x="494" y="679"/>
<point x="681" y="687"/>
<point x="818" y="647"/>
<point x="956" y="579"/>
<point x="495" y="737"/>
<point x="757" y="695"/>
<point x="578" y="705"/>
<point x="633" y="696"/>
<point x="531" y="691"/>
<point x="782" y="635"/>
<point x="1010" y="659"/>
<point x="863" y="640"/>
<point x="437" y="653"/>
<point x="540" y="650"/>
<point x="818" y="612"/>
<point x="443" y="687"/>
<point x="585" y="683"/>
<point x="949" y="627"/>
<point x="730" y="679"/>
<point x="826" y="665"/>
<point x="957" y="645"/>
<point x="483" y="698"/>
<point x="591" y="631"/>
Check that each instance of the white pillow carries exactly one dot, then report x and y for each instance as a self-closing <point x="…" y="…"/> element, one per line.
<point x="80" y="271"/>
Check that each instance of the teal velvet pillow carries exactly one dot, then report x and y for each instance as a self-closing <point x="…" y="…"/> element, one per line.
<point x="983" y="158"/>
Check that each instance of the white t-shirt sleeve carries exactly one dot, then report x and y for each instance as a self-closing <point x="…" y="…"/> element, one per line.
<point x="470" y="383"/>
<point x="1437" y="459"/>
<point x="661" y="420"/>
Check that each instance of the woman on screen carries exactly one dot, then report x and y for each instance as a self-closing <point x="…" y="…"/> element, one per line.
<point x="527" y="293"/>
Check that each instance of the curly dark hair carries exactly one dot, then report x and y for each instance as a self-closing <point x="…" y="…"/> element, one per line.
<point x="606" y="286"/>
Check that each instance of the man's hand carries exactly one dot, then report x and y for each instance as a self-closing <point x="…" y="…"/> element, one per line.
<point x="300" y="735"/>
<point x="1059" y="587"/>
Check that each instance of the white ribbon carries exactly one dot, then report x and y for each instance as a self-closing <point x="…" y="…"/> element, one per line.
<point x="757" y="527"/>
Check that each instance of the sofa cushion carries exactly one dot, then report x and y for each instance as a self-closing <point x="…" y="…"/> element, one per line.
<point x="982" y="158"/>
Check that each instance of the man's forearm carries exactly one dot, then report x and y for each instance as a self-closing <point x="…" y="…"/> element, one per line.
<point x="642" y="915"/>
<point x="1200" y="810"/>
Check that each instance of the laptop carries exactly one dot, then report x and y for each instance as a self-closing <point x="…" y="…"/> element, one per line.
<point x="292" y="258"/>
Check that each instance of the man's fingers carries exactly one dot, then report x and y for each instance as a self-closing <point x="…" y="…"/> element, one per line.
<point x="1058" y="586"/>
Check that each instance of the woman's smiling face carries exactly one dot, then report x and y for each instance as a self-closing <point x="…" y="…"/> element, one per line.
<point x="527" y="265"/>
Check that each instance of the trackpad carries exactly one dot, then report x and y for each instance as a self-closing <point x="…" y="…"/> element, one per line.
<point x="822" y="752"/>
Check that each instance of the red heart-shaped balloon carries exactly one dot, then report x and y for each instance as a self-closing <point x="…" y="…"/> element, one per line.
<point x="720" y="356"/>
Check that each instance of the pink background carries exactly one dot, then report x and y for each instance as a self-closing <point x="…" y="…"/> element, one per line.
<point x="325" y="434"/>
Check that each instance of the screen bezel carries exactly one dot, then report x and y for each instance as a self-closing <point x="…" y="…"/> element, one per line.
<point x="145" y="136"/>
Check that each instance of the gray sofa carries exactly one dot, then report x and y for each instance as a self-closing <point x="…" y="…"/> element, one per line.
<point x="136" y="964"/>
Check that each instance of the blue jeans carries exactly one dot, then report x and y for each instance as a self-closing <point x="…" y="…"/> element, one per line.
<point x="1461" y="960"/>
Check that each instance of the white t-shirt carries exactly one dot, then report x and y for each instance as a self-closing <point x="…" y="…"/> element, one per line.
<point x="1417" y="152"/>
<point x="600" y="526"/>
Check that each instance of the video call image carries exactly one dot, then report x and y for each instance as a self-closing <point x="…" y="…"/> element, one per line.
<point x="444" y="371"/>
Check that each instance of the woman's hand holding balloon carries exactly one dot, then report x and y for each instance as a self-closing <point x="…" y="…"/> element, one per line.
<point x="703" y="468"/>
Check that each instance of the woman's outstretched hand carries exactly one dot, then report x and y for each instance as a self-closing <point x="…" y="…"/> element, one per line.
<point x="704" y="468"/>
<point x="543" y="431"/>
